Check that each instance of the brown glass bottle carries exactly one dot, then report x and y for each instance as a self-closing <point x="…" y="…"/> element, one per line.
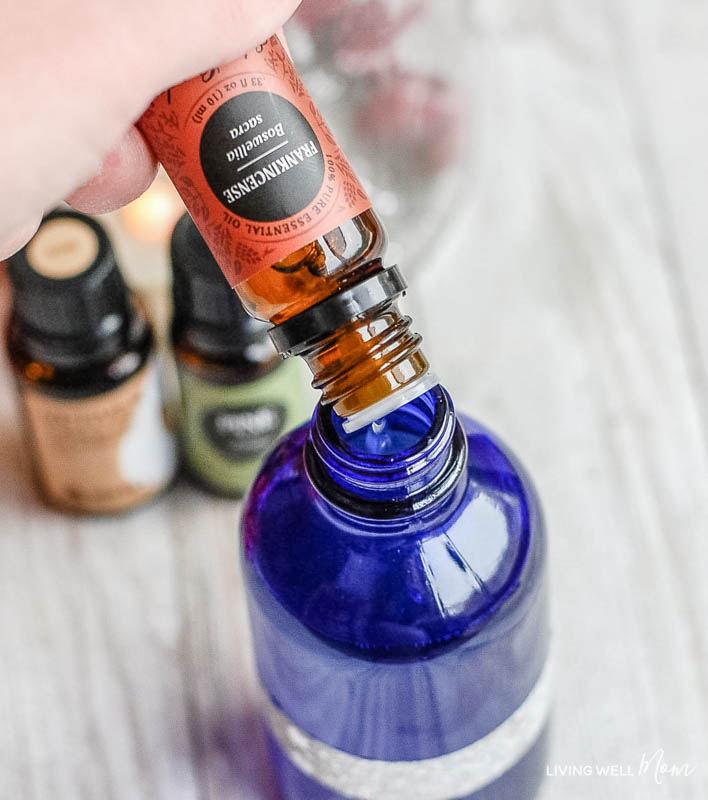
<point x="291" y="228"/>
<point x="82" y="354"/>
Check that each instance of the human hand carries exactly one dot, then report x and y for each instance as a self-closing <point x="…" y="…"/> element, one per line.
<point x="76" y="74"/>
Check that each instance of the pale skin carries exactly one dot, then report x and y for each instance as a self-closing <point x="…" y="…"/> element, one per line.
<point x="74" y="77"/>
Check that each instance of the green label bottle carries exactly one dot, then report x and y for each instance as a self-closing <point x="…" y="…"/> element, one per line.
<point x="238" y="395"/>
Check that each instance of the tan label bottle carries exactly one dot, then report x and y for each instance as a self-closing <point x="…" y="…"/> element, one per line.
<point x="87" y="377"/>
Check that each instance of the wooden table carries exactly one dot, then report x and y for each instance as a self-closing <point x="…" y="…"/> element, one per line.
<point x="567" y="313"/>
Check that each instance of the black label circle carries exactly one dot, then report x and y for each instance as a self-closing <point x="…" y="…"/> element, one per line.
<point x="240" y="433"/>
<point x="261" y="157"/>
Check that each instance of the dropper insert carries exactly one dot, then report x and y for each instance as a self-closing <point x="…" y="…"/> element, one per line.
<point x="365" y="358"/>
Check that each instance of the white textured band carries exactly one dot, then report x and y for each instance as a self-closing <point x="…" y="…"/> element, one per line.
<point x="446" y="777"/>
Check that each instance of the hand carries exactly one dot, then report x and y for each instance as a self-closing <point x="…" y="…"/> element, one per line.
<point x="75" y="75"/>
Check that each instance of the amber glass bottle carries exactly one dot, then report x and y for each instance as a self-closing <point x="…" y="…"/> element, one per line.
<point x="82" y="353"/>
<point x="291" y="227"/>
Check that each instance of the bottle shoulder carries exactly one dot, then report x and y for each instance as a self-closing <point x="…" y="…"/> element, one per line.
<point x="403" y="587"/>
<point x="219" y="356"/>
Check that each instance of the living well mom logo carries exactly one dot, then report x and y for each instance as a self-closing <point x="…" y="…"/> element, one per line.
<point x="650" y="766"/>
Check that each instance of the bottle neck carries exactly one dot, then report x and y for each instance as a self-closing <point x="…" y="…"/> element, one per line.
<point x="364" y="357"/>
<point x="400" y="466"/>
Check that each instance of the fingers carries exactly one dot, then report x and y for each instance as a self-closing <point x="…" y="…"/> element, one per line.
<point x="211" y="33"/>
<point x="126" y="173"/>
<point x="130" y="167"/>
<point x="92" y="68"/>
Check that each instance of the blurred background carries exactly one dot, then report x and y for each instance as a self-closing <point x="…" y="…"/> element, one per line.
<point x="541" y="167"/>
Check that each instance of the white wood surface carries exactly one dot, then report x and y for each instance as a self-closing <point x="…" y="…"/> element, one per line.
<point x="567" y="313"/>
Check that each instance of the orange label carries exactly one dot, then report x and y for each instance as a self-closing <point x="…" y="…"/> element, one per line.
<point x="253" y="160"/>
<point x="104" y="453"/>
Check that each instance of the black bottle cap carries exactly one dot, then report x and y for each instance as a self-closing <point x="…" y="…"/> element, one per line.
<point x="66" y="281"/>
<point x="201" y="292"/>
<point x="315" y="323"/>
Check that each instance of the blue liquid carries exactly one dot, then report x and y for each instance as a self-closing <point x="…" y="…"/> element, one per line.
<point x="406" y="635"/>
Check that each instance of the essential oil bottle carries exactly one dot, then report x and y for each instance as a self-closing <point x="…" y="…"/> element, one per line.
<point x="238" y="395"/>
<point x="82" y="353"/>
<point x="291" y="227"/>
<point x="396" y="588"/>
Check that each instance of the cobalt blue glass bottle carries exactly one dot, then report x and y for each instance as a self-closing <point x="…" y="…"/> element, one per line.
<point x="396" y="587"/>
